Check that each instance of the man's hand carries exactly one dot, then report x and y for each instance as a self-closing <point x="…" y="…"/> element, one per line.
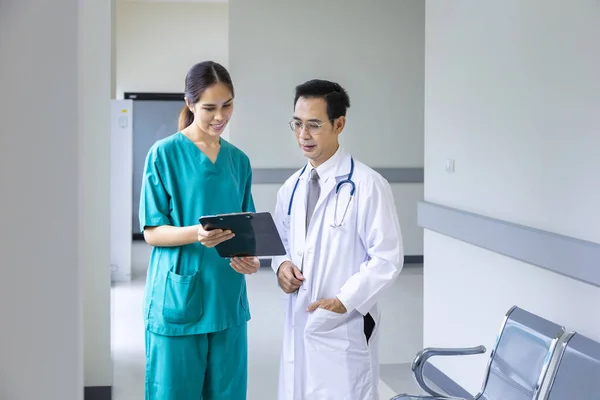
<point x="289" y="277"/>
<point x="334" y="305"/>
<point x="245" y="265"/>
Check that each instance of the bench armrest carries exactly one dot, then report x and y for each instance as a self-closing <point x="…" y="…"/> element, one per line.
<point x="424" y="355"/>
<point x="419" y="397"/>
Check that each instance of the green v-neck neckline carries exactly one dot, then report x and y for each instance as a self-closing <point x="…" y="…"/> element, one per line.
<point x="199" y="154"/>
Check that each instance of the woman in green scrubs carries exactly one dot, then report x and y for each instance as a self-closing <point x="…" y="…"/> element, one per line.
<point x="195" y="304"/>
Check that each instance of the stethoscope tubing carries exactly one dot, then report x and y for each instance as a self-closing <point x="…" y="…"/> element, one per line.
<point x="348" y="180"/>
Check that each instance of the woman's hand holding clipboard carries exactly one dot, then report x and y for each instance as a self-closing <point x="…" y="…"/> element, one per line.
<point x="212" y="238"/>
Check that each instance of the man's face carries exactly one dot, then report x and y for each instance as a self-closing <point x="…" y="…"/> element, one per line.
<point x="317" y="136"/>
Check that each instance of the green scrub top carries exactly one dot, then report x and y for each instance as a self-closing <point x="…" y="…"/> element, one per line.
<point x="190" y="289"/>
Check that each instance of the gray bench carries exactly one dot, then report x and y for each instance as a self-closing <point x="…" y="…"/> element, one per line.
<point x="577" y="372"/>
<point x="518" y="363"/>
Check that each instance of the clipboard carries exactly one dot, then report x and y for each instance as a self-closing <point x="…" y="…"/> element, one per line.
<point x="255" y="234"/>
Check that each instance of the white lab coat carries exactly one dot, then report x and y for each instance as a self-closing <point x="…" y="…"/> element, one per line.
<point x="325" y="355"/>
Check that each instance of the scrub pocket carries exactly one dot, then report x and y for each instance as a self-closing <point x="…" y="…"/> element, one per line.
<point x="182" y="302"/>
<point x="327" y="331"/>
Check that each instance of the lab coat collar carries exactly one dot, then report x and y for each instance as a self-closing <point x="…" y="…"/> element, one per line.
<point x="330" y="168"/>
<point x="340" y="168"/>
<point x="330" y="172"/>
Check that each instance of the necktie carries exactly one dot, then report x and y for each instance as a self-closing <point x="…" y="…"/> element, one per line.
<point x="313" y="195"/>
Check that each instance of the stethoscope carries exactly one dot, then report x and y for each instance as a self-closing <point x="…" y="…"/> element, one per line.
<point x="341" y="183"/>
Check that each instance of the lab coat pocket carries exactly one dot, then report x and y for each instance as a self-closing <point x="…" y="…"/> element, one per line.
<point x="182" y="302"/>
<point x="327" y="331"/>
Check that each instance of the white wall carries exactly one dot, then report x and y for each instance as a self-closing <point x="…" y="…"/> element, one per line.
<point x="512" y="95"/>
<point x="374" y="49"/>
<point x="153" y="56"/>
<point x="55" y="280"/>
<point x="95" y="58"/>
<point x="157" y="43"/>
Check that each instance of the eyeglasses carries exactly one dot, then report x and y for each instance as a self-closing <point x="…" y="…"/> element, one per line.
<point x="311" y="127"/>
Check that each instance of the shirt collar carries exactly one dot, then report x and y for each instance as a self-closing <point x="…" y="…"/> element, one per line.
<point x="328" y="168"/>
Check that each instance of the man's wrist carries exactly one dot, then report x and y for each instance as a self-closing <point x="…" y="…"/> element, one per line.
<point x="277" y="262"/>
<point x="282" y="264"/>
<point x="279" y="268"/>
<point x="344" y="301"/>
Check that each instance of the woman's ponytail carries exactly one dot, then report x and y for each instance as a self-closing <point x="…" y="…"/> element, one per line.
<point x="186" y="117"/>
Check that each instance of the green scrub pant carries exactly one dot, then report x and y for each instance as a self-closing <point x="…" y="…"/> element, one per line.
<point x="212" y="366"/>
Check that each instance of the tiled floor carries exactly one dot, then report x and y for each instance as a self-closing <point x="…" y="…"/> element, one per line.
<point x="400" y="336"/>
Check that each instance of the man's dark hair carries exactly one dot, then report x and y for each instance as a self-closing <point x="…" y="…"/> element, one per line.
<point x="336" y="97"/>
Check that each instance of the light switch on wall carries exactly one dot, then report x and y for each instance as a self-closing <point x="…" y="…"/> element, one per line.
<point x="450" y="166"/>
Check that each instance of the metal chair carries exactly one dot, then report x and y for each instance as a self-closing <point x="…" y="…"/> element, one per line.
<point x="518" y="363"/>
<point x="577" y="373"/>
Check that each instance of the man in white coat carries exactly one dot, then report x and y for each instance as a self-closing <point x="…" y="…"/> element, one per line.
<point x="339" y="225"/>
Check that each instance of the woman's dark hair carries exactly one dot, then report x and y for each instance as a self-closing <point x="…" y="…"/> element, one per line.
<point x="199" y="78"/>
<point x="336" y="96"/>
